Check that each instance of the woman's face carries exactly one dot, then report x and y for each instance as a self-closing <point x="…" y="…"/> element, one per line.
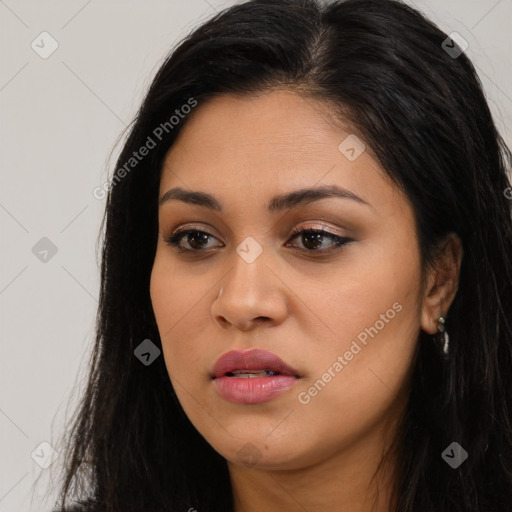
<point x="344" y="317"/>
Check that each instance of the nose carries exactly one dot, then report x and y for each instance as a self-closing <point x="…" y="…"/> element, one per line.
<point x="250" y="295"/>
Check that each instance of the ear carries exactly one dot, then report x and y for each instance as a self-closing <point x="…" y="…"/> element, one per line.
<point x="442" y="283"/>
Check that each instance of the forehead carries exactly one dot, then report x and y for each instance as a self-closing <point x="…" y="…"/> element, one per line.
<point x="255" y="146"/>
<point x="258" y="128"/>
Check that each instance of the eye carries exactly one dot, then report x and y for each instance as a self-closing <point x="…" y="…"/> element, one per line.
<point x="196" y="240"/>
<point x="312" y="239"/>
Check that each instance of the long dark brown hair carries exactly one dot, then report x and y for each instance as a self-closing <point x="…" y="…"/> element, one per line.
<point x="386" y="70"/>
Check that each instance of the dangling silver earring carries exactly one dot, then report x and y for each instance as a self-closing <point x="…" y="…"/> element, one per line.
<point x="442" y="336"/>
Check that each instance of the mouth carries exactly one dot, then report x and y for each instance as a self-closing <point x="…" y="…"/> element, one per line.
<point x="252" y="377"/>
<point x="251" y="374"/>
<point x="251" y="364"/>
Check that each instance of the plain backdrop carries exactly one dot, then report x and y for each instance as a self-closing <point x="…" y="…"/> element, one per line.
<point x="60" y="117"/>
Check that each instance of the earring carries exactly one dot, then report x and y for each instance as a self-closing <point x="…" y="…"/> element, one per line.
<point x="442" y="335"/>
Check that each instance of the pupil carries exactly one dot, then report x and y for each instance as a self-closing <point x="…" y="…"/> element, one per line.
<point x="315" y="237"/>
<point x="197" y="235"/>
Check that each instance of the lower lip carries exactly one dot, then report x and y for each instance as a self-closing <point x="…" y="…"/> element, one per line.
<point x="253" y="390"/>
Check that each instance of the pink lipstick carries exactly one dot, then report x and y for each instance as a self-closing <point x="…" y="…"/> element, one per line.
<point x="252" y="376"/>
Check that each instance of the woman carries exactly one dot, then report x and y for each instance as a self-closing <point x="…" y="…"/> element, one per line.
<point x="307" y="276"/>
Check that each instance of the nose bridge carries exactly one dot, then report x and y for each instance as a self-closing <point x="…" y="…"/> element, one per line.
<point x="248" y="291"/>
<point x="249" y="272"/>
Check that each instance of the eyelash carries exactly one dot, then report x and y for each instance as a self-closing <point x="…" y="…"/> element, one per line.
<point x="339" y="241"/>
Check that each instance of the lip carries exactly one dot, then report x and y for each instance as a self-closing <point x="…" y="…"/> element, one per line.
<point x="252" y="390"/>
<point x="251" y="359"/>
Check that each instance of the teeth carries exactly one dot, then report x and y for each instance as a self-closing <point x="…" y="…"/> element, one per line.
<point x="249" y="374"/>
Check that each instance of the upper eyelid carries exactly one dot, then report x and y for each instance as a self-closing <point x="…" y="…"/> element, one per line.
<point x="311" y="214"/>
<point x="320" y="226"/>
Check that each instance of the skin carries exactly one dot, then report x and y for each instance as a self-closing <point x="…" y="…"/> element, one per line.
<point x="302" y="306"/>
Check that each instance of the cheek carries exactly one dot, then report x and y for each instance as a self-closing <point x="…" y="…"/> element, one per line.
<point x="174" y="290"/>
<point x="371" y="279"/>
<point x="360" y="375"/>
<point x="163" y="296"/>
<point x="178" y="300"/>
<point x="371" y="311"/>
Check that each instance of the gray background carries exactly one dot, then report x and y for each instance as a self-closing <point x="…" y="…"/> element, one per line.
<point x="60" y="119"/>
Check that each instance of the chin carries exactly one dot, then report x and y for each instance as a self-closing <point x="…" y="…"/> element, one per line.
<point x="263" y="453"/>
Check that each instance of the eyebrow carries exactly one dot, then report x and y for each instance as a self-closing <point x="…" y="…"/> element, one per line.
<point x="280" y="202"/>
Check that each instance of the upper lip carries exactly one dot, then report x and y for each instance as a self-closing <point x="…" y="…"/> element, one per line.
<point x="251" y="359"/>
